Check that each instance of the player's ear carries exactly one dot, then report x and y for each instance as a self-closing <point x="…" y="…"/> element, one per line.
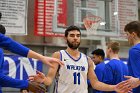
<point x="100" y="57"/>
<point x="133" y="34"/>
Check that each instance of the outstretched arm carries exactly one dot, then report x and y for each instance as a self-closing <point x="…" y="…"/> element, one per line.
<point x="120" y="88"/>
<point x="46" y="60"/>
<point x="6" y="81"/>
<point x="47" y="80"/>
<point x="15" y="47"/>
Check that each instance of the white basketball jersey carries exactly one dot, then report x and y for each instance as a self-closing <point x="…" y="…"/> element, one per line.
<point x="73" y="75"/>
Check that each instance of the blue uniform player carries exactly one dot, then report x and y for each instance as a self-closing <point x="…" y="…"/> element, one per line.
<point x="98" y="56"/>
<point x="132" y="30"/>
<point x="115" y="69"/>
<point x="98" y="59"/>
<point x="15" y="47"/>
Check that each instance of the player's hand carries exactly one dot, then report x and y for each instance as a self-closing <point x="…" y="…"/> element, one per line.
<point x="39" y="77"/>
<point x="133" y="82"/>
<point x="49" y="60"/>
<point x="36" y="87"/>
<point x="24" y="91"/>
<point x="123" y="87"/>
<point x="46" y="60"/>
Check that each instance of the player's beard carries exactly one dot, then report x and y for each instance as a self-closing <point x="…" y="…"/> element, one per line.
<point x="73" y="46"/>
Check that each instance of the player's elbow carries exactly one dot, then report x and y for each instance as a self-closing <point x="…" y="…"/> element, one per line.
<point x="94" y="84"/>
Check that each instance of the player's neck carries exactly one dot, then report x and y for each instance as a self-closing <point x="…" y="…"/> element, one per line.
<point x="73" y="52"/>
<point x="136" y="42"/>
<point x="114" y="56"/>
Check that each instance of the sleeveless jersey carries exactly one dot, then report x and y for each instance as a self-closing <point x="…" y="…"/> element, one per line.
<point x="72" y="76"/>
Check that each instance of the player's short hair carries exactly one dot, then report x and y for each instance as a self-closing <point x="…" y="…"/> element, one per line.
<point x="2" y="29"/>
<point x="115" y="46"/>
<point x="133" y="26"/>
<point x="99" y="52"/>
<point x="71" y="28"/>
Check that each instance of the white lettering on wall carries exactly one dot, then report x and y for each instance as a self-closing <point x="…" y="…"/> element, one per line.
<point x="12" y="67"/>
<point x="25" y="63"/>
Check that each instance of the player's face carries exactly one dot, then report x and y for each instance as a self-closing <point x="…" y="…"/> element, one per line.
<point x="130" y="38"/>
<point x="73" y="39"/>
<point x="96" y="59"/>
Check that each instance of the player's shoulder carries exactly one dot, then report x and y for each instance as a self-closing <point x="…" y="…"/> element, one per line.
<point x="56" y="54"/>
<point x="84" y="55"/>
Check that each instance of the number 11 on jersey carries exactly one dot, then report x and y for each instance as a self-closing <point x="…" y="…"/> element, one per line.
<point x="76" y="78"/>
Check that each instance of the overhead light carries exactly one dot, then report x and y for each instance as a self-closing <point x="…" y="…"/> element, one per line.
<point x="115" y="13"/>
<point x="102" y="23"/>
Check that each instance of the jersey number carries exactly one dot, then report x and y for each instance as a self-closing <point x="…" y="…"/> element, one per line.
<point x="76" y="78"/>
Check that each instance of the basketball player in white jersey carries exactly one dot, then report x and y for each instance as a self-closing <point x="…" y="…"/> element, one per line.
<point x="72" y="78"/>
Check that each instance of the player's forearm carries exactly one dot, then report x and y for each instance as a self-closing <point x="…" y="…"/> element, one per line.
<point x="32" y="54"/>
<point x="7" y="81"/>
<point x="47" y="81"/>
<point x="103" y="87"/>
